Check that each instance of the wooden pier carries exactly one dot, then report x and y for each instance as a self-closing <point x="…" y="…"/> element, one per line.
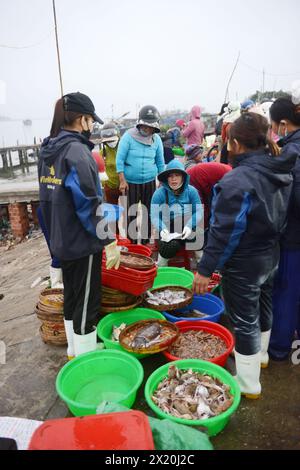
<point x="25" y="157"/>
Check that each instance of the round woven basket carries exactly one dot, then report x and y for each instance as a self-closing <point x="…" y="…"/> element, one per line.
<point x="111" y="309"/>
<point x="50" y="311"/>
<point x="136" y="261"/>
<point x="52" y="298"/>
<point x="48" y="316"/>
<point x="53" y="333"/>
<point x="168" y="308"/>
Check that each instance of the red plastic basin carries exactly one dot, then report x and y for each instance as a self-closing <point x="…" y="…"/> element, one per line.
<point x="129" y="430"/>
<point x="121" y="241"/>
<point x="209" y="327"/>
<point x="129" y="273"/>
<point x="130" y="286"/>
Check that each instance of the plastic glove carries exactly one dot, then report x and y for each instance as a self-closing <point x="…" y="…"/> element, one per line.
<point x="164" y="234"/>
<point x="113" y="255"/>
<point x="186" y="233"/>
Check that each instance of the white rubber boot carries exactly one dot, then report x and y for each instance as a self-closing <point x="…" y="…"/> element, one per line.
<point x="198" y="256"/>
<point x="56" y="278"/>
<point x="70" y="338"/>
<point x="247" y="374"/>
<point x="85" y="343"/>
<point x="162" y="262"/>
<point x="265" y="340"/>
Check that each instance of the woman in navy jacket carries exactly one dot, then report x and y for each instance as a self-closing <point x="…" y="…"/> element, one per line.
<point x="248" y="217"/>
<point x="285" y="117"/>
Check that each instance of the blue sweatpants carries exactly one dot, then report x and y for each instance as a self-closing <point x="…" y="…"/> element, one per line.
<point x="286" y="304"/>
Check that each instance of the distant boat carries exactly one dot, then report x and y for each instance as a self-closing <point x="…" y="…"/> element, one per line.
<point x="27" y="122"/>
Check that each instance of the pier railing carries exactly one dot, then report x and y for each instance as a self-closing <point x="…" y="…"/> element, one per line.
<point x="18" y="157"/>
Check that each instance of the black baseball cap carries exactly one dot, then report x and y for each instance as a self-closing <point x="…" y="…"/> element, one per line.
<point x="80" y="103"/>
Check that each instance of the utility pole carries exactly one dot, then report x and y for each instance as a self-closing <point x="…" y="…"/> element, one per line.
<point x="57" y="49"/>
<point x="263" y="85"/>
<point x="231" y="76"/>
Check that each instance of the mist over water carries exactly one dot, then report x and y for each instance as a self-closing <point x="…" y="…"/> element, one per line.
<point x="13" y="132"/>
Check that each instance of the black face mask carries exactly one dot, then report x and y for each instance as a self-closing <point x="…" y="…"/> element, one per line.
<point x="87" y="134"/>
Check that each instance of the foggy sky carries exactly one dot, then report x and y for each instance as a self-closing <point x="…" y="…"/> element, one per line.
<point x="169" y="53"/>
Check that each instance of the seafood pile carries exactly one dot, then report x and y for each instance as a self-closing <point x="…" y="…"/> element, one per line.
<point x="190" y="314"/>
<point x="117" y="331"/>
<point x="148" y="336"/>
<point x="190" y="395"/>
<point x="165" y="297"/>
<point x="136" y="261"/>
<point x="195" y="344"/>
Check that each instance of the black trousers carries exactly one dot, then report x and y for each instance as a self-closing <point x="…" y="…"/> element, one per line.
<point x="247" y="288"/>
<point x="140" y="193"/>
<point x="82" y="292"/>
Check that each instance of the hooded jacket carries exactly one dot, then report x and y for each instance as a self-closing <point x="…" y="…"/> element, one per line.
<point x="194" y="132"/>
<point x="291" y="237"/>
<point x="139" y="158"/>
<point x="70" y="195"/>
<point x="203" y="177"/>
<point x="187" y="204"/>
<point x="249" y="209"/>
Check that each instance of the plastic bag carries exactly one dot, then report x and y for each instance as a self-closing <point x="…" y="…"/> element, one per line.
<point x="167" y="435"/>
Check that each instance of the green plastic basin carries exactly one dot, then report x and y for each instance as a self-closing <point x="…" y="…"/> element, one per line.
<point x="91" y="378"/>
<point x="173" y="277"/>
<point x="213" y="425"/>
<point x="105" y="326"/>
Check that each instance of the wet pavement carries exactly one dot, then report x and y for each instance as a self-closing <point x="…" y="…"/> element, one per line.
<point x="27" y="380"/>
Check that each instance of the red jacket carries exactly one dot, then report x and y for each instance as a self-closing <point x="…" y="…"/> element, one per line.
<point x="203" y="177"/>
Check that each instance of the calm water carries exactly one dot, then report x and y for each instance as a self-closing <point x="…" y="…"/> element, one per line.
<point x="13" y="132"/>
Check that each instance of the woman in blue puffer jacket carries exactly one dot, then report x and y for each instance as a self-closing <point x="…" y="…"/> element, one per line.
<point x="140" y="158"/>
<point x="176" y="209"/>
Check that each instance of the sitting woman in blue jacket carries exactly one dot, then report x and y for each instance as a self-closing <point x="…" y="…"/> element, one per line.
<point x="140" y="158"/>
<point x="176" y="212"/>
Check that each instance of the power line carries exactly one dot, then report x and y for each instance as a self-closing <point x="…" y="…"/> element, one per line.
<point x="268" y="73"/>
<point x="28" y="46"/>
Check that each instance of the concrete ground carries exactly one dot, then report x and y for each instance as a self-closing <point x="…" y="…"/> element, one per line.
<point x="27" y="380"/>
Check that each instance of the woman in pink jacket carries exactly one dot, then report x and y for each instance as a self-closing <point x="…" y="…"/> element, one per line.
<point x="194" y="131"/>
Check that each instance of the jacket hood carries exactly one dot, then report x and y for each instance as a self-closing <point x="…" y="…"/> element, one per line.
<point x="292" y="138"/>
<point x="51" y="147"/>
<point x="177" y="166"/>
<point x="196" y="112"/>
<point x="276" y="169"/>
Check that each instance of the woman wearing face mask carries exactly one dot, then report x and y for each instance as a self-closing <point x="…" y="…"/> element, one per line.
<point x="285" y="118"/>
<point x="175" y="209"/>
<point x="140" y="158"/>
<point x="109" y="147"/>
<point x="70" y="196"/>
<point x="248" y="217"/>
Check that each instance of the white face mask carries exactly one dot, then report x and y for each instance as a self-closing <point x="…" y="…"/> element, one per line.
<point x="113" y="144"/>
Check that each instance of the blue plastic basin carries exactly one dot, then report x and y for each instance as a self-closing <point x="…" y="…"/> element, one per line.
<point x="209" y="304"/>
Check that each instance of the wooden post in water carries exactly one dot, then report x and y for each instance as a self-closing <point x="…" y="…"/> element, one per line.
<point x="26" y="160"/>
<point x="10" y="163"/>
<point x="20" y="152"/>
<point x="4" y="161"/>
